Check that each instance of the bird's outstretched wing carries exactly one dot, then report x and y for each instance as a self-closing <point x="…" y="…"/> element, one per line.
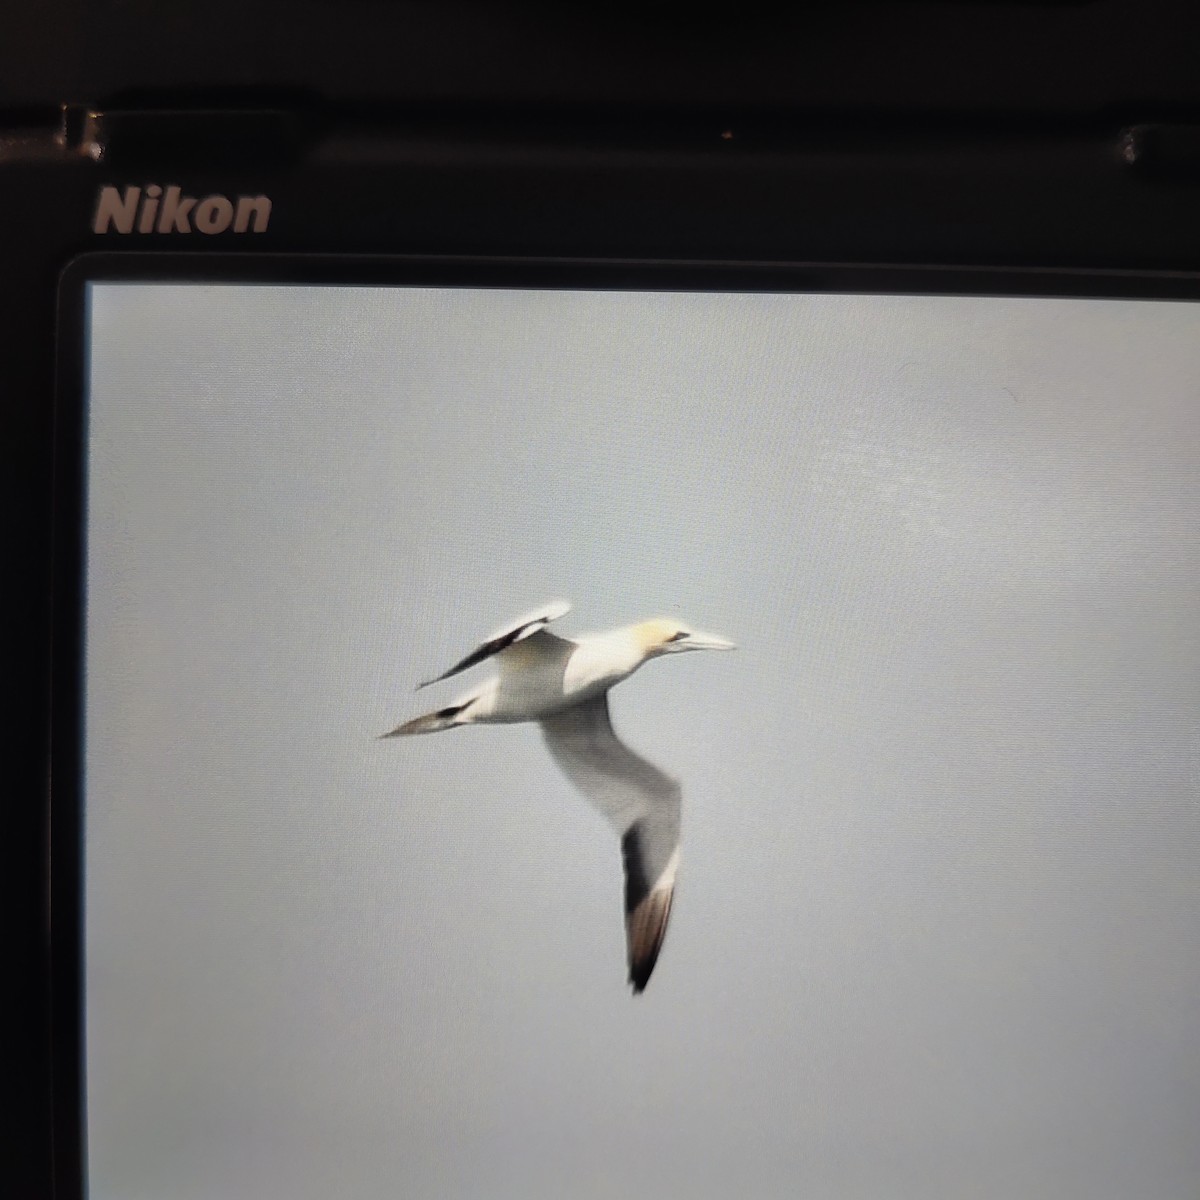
<point x="525" y="627"/>
<point x="642" y="803"/>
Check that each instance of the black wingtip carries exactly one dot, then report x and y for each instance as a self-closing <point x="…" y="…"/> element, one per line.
<point x="429" y="722"/>
<point x="641" y="969"/>
<point x="639" y="979"/>
<point x="645" y="928"/>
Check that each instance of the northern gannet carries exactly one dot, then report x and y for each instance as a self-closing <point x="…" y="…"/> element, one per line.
<point x="563" y="684"/>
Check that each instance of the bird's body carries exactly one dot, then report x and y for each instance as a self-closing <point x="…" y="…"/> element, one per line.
<point x="543" y="674"/>
<point x="563" y="684"/>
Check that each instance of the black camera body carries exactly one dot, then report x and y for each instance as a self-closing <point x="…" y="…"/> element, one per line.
<point x="982" y="149"/>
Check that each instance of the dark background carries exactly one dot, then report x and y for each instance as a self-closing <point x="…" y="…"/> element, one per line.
<point x="1039" y="60"/>
<point x="1004" y="134"/>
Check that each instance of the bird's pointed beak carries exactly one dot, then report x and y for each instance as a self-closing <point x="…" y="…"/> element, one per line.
<point x="709" y="641"/>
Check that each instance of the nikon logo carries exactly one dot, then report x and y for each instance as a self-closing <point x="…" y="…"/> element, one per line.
<point x="154" y="210"/>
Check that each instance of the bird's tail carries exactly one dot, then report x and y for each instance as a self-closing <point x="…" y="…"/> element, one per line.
<point x="444" y="718"/>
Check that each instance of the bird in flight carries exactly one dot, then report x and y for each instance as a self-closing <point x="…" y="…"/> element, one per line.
<point x="563" y="684"/>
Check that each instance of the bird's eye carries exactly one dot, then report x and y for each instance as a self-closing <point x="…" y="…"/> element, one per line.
<point x="678" y="637"/>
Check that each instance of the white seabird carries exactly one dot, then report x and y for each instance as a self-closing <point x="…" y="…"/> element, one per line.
<point x="563" y="684"/>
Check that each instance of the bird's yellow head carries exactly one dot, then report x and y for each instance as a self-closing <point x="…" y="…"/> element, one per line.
<point x="664" y="635"/>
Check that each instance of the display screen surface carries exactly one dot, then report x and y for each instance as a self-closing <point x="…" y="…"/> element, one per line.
<point x="933" y="920"/>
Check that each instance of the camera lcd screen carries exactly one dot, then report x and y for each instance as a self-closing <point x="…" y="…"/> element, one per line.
<point x="898" y="898"/>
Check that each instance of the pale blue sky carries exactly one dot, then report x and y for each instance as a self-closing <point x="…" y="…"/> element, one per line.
<point x="936" y="931"/>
